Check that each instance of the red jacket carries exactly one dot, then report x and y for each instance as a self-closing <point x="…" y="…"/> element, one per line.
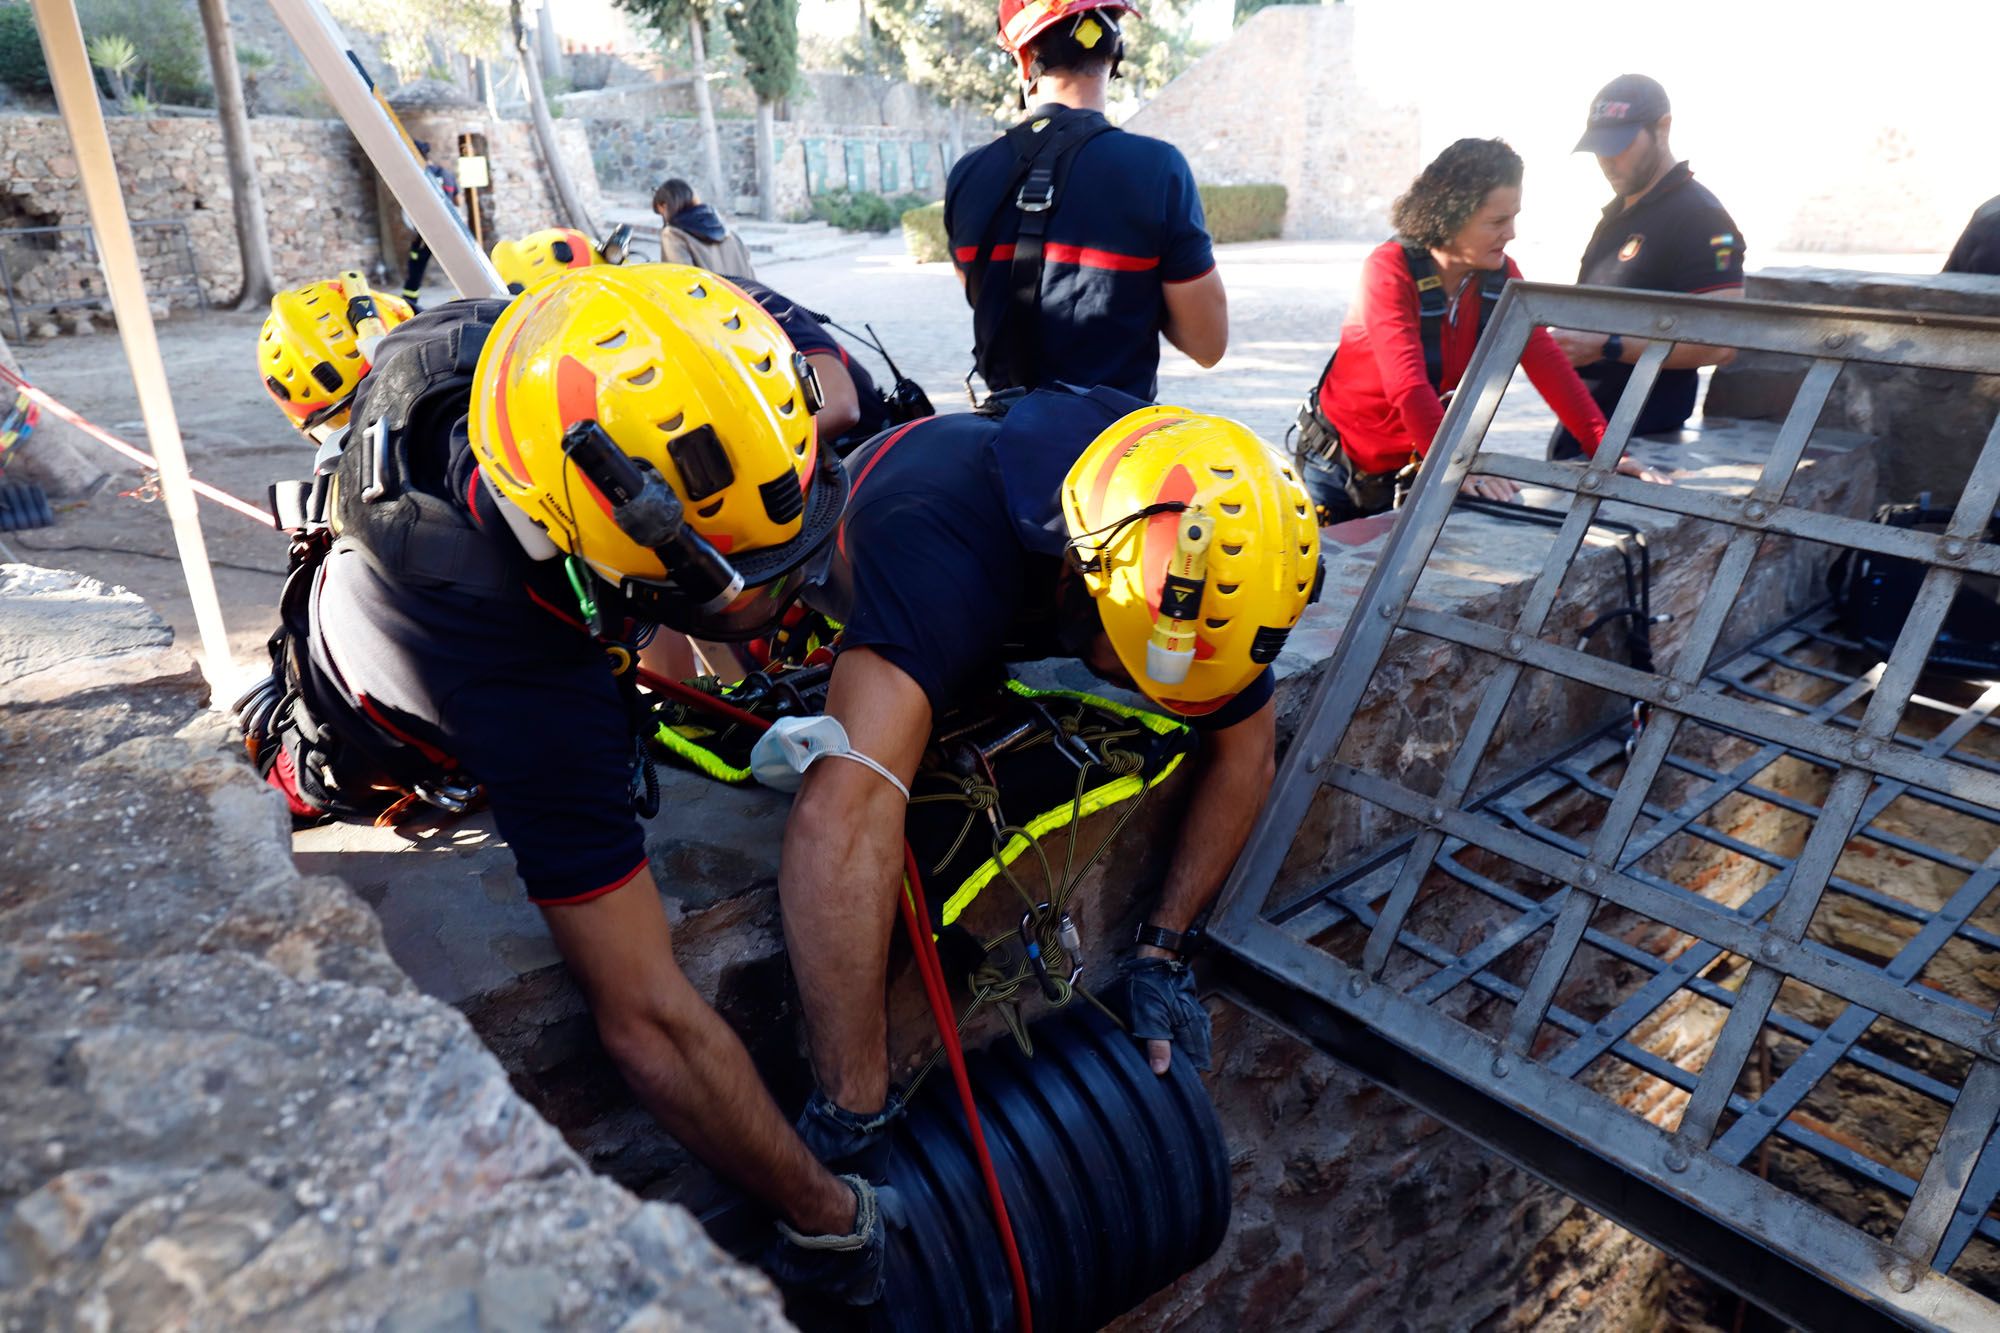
<point x="1376" y="394"/>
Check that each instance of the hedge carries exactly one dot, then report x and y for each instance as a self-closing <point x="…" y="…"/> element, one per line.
<point x="1234" y="212"/>
<point x="923" y="234"/>
<point x="21" y="66"/>
<point x="1243" y="212"/>
<point x="861" y="210"/>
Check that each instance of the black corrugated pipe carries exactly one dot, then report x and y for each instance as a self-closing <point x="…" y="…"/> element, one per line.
<point x="1117" y="1181"/>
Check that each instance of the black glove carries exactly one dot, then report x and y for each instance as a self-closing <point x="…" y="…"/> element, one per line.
<point x="846" y="1142"/>
<point x="851" y="1268"/>
<point x="1161" y="1005"/>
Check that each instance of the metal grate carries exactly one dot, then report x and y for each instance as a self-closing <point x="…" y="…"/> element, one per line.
<point x="1660" y="974"/>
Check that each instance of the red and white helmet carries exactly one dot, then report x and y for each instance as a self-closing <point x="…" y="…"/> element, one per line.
<point x="1021" y="21"/>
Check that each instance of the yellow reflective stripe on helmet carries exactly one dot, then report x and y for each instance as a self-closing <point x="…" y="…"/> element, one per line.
<point x="1024" y="18"/>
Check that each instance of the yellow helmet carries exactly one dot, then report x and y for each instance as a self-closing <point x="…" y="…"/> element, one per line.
<point x="533" y="261"/>
<point x="689" y="376"/>
<point x="1197" y="542"/>
<point x="316" y="347"/>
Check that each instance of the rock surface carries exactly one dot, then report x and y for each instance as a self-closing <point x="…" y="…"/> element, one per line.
<point x="222" y="1104"/>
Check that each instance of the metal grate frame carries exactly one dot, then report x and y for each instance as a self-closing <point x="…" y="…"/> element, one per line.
<point x="1688" y="1190"/>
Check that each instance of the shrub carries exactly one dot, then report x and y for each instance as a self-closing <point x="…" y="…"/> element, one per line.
<point x="923" y="234"/>
<point x="857" y="210"/>
<point x="1243" y="212"/>
<point x="21" y="65"/>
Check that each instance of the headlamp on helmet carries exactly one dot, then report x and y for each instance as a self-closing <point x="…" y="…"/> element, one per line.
<point x="318" y="343"/>
<point x="611" y="386"/>
<point x="1197" y="543"/>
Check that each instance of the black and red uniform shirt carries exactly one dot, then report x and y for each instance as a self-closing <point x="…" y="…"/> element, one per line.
<point x="1678" y="238"/>
<point x="1128" y="221"/>
<point x="949" y="560"/>
<point x="513" y="689"/>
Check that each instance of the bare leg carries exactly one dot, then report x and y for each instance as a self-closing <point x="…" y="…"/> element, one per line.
<point x="841" y="871"/>
<point x="684" y="1062"/>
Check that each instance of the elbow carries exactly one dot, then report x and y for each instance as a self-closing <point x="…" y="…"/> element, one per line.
<point x="641" y="1032"/>
<point x="1211" y="352"/>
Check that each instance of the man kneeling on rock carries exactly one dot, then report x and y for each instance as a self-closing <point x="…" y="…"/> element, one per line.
<point x="516" y="481"/>
<point x="1171" y="552"/>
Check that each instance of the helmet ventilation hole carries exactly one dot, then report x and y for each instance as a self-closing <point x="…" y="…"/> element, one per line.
<point x="1232" y="550"/>
<point x="733" y="323"/>
<point x="710" y="511"/>
<point x="1304" y="549"/>
<point x="1217" y="623"/>
<point x="1232" y="509"/>
<point x="644" y="377"/>
<point x="789" y="406"/>
<point x="674" y="423"/>
<point x="763" y="367"/>
<point x="800" y="447"/>
<point x="1227" y="589"/>
<point x="698" y="292"/>
<point x="1225" y="473"/>
<point x="614" y="342"/>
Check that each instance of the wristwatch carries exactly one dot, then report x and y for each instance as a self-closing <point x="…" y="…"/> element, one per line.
<point x="1159" y="937"/>
<point x="1614" y="347"/>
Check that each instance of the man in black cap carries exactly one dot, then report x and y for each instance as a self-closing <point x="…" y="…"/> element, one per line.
<point x="1664" y="233"/>
<point x="1978" y="248"/>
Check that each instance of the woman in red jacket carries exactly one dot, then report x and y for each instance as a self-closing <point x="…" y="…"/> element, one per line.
<point x="1425" y="296"/>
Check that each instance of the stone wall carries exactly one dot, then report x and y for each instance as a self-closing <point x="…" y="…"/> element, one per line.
<point x="829" y="99"/>
<point x="634" y="156"/>
<point x="1932" y="422"/>
<point x="1280" y="103"/>
<point x="222" y="1105"/>
<point x="316" y="187"/>
<point x="319" y="192"/>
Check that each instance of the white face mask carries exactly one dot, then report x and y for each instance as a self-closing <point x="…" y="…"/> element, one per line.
<point x="782" y="755"/>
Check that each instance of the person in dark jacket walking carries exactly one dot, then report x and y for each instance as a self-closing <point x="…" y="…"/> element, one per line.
<point x="693" y="233"/>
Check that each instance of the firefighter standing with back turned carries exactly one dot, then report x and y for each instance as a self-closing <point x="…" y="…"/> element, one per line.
<point x="1080" y="245"/>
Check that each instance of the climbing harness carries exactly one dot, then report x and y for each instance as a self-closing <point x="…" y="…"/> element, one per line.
<point x="1044" y="148"/>
<point x="1315" y="441"/>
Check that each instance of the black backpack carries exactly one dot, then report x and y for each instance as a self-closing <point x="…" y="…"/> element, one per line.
<point x="1873" y="595"/>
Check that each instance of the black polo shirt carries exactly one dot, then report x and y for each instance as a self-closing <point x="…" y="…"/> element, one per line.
<point x="1678" y="238"/>
<point x="1978" y="248"/>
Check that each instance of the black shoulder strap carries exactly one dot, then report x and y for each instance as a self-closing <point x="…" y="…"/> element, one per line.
<point x="389" y="491"/>
<point x="1433" y="305"/>
<point x="1044" y="148"/>
<point x="1431" y="309"/>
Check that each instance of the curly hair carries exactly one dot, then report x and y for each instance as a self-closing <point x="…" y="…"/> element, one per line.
<point x="1450" y="190"/>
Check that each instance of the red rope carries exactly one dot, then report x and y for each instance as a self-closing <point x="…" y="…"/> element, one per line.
<point x="931" y="969"/>
<point x="653" y="680"/>
<point x="137" y="455"/>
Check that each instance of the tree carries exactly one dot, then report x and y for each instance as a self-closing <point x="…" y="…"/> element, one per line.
<point x="951" y="52"/>
<point x="767" y="39"/>
<point x="545" y="128"/>
<point x="253" y="234"/>
<point x="408" y="27"/>
<point x="672" y="19"/>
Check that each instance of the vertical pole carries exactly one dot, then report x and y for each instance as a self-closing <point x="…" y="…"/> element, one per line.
<point x="76" y="98"/>
<point x="389" y="148"/>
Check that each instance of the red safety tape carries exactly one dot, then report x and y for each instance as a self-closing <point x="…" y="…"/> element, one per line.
<point x="137" y="455"/>
<point x="930" y="968"/>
